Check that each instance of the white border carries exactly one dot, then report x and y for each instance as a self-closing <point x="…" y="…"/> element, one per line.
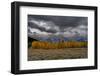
<point x="26" y="65"/>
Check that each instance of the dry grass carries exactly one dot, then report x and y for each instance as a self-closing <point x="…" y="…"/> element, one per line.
<point x="54" y="54"/>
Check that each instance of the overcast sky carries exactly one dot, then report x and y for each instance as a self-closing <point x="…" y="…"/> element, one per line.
<point x="68" y="26"/>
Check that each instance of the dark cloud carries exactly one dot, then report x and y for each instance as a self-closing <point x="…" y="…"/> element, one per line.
<point x="62" y="21"/>
<point x="32" y="25"/>
<point x="54" y="24"/>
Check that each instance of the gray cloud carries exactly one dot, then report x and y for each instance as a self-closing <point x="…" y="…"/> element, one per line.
<point x="62" y="21"/>
<point x="70" y="26"/>
<point x="47" y="26"/>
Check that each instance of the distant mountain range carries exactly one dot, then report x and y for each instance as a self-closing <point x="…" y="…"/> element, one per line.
<point x="56" y="39"/>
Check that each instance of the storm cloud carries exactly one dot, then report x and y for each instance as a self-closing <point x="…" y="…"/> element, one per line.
<point x="67" y="25"/>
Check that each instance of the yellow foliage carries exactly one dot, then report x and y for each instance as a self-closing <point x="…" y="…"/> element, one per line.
<point x="57" y="45"/>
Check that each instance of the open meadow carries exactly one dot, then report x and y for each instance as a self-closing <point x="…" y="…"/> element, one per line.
<point x="54" y="54"/>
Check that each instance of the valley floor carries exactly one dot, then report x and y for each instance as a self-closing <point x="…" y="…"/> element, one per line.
<point x="54" y="54"/>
